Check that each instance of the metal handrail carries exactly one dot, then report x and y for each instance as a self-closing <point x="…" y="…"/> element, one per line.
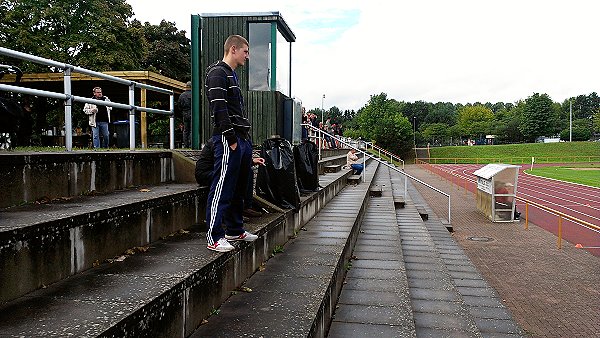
<point x="389" y="166"/>
<point x="68" y="98"/>
<point x="386" y="152"/>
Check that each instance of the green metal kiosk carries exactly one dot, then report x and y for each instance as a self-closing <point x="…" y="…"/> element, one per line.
<point x="266" y="80"/>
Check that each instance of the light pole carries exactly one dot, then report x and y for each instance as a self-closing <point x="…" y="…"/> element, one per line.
<point x="322" y="109"/>
<point x="415" y="131"/>
<point x="570" y="121"/>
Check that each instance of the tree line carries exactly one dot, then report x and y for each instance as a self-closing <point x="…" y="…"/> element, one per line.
<point x="94" y="34"/>
<point x="101" y="35"/>
<point x="398" y="125"/>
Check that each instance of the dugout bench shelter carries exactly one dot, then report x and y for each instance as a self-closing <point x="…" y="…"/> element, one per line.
<point x="496" y="191"/>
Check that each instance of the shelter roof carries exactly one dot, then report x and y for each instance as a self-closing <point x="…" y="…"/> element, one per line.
<point x="82" y="84"/>
<point x="492" y="169"/>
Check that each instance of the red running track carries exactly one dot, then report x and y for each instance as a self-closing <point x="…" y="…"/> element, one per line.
<point x="582" y="202"/>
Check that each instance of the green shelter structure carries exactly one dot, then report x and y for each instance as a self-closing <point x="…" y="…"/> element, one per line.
<point x="266" y="80"/>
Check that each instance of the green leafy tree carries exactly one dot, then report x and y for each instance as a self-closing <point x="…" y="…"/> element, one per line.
<point x="381" y="120"/>
<point x="417" y="112"/>
<point x="540" y="117"/>
<point x="581" y="131"/>
<point x="435" y="133"/>
<point x="442" y="112"/>
<point x="335" y="114"/>
<point x="168" y="50"/>
<point x="506" y="125"/>
<point x="596" y="122"/>
<point x="455" y="134"/>
<point x="94" y="34"/>
<point x="475" y="121"/>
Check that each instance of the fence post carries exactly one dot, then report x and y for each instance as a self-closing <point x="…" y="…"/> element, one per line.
<point x="68" y="110"/>
<point x="172" y="122"/>
<point x="526" y="216"/>
<point x="132" y="116"/>
<point x="559" y="242"/>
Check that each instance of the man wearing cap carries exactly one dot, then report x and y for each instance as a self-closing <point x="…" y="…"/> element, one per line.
<point x="185" y="105"/>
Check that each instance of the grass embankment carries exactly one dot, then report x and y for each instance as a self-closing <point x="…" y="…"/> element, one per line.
<point x="519" y="153"/>
<point x="588" y="174"/>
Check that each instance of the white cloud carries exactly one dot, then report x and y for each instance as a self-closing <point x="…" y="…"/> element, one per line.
<point x="431" y="50"/>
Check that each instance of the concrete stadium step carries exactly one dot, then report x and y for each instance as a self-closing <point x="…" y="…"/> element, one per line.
<point x="28" y="177"/>
<point x="448" y="295"/>
<point x="332" y="160"/>
<point x="296" y="291"/>
<point x="375" y="300"/>
<point x="166" y="290"/>
<point x="42" y="244"/>
<point x="333" y="168"/>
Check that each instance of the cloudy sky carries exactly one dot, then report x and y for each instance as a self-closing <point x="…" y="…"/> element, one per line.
<point x="456" y="51"/>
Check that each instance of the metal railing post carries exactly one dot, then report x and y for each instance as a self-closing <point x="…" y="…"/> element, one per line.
<point x="319" y="138"/>
<point x="132" y="117"/>
<point x="364" y="163"/>
<point x="68" y="109"/>
<point x="405" y="186"/>
<point x="172" y="122"/>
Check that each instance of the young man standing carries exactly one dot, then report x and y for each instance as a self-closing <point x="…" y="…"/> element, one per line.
<point x="232" y="146"/>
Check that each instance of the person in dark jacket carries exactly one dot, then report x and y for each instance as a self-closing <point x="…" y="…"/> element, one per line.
<point x="232" y="146"/>
<point x="185" y="105"/>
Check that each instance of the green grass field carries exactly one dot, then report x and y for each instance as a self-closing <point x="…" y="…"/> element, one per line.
<point x="582" y="174"/>
<point x="519" y="153"/>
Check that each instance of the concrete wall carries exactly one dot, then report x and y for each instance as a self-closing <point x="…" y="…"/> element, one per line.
<point x="29" y="177"/>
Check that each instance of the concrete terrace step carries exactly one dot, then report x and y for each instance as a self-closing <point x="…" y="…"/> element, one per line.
<point x="166" y="291"/>
<point x="41" y="244"/>
<point x="29" y="177"/>
<point x="448" y="295"/>
<point x="332" y="160"/>
<point x="295" y="295"/>
<point x="333" y="168"/>
<point x="375" y="300"/>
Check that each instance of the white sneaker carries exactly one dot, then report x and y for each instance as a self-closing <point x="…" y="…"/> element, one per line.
<point x="221" y="246"/>
<point x="246" y="236"/>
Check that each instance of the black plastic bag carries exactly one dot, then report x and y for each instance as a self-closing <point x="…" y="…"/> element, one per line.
<point x="276" y="180"/>
<point x="306" y="157"/>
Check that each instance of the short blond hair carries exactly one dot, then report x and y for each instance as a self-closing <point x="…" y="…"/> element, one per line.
<point x="234" y="40"/>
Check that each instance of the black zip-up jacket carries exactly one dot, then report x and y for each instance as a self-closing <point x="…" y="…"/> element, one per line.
<point x="226" y="103"/>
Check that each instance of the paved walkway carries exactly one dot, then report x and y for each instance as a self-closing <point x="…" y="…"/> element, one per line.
<point x="550" y="292"/>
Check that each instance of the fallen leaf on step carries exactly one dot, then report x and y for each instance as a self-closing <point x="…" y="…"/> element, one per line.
<point x="144" y="190"/>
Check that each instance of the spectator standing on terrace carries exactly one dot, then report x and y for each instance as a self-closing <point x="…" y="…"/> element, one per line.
<point x="99" y="118"/>
<point x="232" y="147"/>
<point x="304" y="121"/>
<point x="185" y="105"/>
